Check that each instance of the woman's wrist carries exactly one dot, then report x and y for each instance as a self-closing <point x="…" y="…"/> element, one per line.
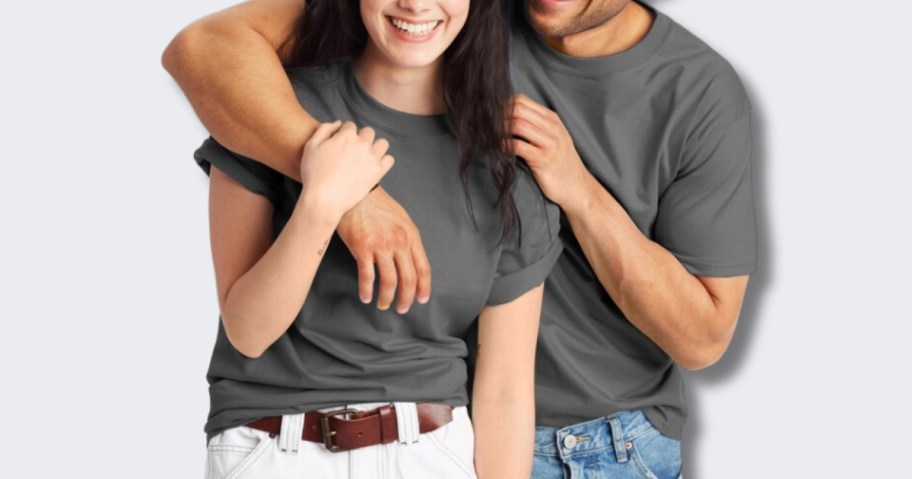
<point x="317" y="213"/>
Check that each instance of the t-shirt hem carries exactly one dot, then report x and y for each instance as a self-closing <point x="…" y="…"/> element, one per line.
<point x="722" y="271"/>
<point x="672" y="429"/>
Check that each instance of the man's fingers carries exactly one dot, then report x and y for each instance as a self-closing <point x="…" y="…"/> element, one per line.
<point x="526" y="151"/>
<point x="407" y="282"/>
<point x="366" y="279"/>
<point x="525" y="108"/>
<point x="386" y="269"/>
<point x="529" y="132"/>
<point x="422" y="272"/>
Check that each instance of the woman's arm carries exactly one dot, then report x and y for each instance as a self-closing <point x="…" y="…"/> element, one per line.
<point x="262" y="284"/>
<point x="503" y="405"/>
<point x="229" y="66"/>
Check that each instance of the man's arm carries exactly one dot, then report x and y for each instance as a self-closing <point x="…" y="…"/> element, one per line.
<point x="229" y="64"/>
<point x="229" y="67"/>
<point x="692" y="318"/>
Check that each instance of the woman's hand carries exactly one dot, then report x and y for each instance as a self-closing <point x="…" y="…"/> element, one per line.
<point x="340" y="166"/>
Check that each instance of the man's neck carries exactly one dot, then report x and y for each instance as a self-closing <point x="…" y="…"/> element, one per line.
<point x="621" y="33"/>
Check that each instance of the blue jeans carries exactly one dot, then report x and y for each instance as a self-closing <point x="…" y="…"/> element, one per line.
<point x="624" y="445"/>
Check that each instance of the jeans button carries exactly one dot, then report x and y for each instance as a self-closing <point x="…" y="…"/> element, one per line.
<point x="570" y="441"/>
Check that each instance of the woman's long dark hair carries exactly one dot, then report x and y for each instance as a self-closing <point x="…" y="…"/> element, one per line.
<point x="476" y="80"/>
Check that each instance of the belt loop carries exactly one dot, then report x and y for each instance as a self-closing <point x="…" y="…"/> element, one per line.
<point x="291" y="433"/>
<point x="617" y="435"/>
<point x="407" y="421"/>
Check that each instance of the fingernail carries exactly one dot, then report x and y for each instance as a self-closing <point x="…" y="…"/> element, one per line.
<point x="365" y="300"/>
<point x="423" y="299"/>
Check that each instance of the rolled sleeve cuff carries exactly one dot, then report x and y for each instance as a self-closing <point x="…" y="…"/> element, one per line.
<point x="509" y="287"/>
<point x="253" y="176"/>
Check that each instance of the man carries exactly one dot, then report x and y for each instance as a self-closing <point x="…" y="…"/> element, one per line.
<point x="637" y="130"/>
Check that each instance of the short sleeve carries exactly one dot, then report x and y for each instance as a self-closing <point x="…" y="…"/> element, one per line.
<point x="529" y="254"/>
<point x="254" y="176"/>
<point x="706" y="215"/>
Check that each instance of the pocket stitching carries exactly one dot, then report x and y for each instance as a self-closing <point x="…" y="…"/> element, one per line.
<point x="638" y="459"/>
<point x="231" y="448"/>
<point x="450" y="454"/>
<point x="248" y="461"/>
<point x="641" y="464"/>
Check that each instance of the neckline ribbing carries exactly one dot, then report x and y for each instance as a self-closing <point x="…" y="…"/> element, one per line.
<point x="594" y="66"/>
<point x="379" y="115"/>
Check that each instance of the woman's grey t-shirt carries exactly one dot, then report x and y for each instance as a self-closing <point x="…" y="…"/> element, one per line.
<point x="339" y="351"/>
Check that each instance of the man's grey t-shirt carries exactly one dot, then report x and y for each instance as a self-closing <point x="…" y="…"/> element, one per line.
<point x="665" y="127"/>
<point x="339" y="351"/>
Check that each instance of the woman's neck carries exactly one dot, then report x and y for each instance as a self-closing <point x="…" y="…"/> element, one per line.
<point x="417" y="90"/>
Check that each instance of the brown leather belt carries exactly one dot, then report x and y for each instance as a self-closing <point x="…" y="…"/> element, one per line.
<point x="362" y="429"/>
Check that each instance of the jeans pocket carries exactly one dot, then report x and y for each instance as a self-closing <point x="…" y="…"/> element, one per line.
<point x="657" y="456"/>
<point x="231" y="453"/>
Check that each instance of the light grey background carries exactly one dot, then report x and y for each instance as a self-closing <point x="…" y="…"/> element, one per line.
<point x="107" y="295"/>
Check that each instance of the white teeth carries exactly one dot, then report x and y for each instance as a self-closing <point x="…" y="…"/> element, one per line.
<point x="415" y="29"/>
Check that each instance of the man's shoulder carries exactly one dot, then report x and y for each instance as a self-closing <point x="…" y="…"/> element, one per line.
<point x="702" y="67"/>
<point x="714" y="92"/>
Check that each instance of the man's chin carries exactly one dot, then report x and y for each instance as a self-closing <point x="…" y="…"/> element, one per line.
<point x="548" y="18"/>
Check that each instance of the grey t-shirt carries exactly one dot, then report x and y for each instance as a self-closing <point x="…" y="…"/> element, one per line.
<point x="341" y="351"/>
<point x="665" y="127"/>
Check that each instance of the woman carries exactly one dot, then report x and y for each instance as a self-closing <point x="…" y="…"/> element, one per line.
<point x="301" y="368"/>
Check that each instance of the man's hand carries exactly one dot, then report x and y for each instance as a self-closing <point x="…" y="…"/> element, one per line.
<point x="379" y="231"/>
<point x="543" y="141"/>
<point x="692" y="318"/>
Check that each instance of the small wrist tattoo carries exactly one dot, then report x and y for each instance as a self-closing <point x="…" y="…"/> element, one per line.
<point x="323" y="248"/>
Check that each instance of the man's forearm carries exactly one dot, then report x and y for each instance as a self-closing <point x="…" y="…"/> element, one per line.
<point x="691" y="318"/>
<point x="229" y="68"/>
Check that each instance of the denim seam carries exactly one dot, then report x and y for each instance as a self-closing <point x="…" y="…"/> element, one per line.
<point x="590" y="450"/>
<point x="640" y="432"/>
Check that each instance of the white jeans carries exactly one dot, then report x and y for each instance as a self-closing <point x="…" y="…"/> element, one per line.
<point x="445" y="453"/>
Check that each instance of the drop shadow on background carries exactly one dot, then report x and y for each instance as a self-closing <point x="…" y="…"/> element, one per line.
<point x="752" y="310"/>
